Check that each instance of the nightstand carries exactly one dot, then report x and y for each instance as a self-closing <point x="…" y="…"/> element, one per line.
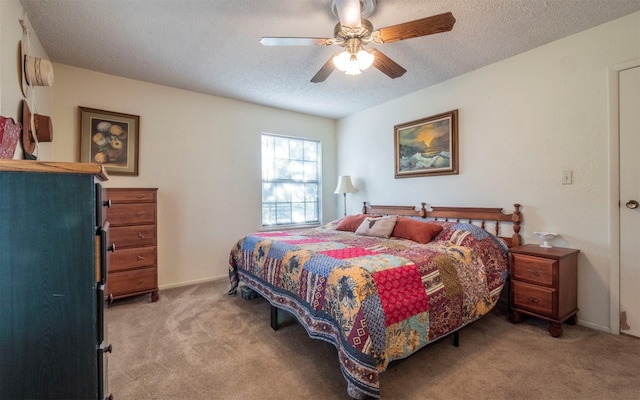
<point x="544" y="285"/>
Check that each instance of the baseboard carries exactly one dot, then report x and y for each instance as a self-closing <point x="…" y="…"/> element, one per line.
<point x="194" y="282"/>
<point x="591" y="325"/>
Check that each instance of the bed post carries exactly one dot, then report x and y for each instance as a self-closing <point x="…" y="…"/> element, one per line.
<point x="274" y="317"/>
<point x="516" y="217"/>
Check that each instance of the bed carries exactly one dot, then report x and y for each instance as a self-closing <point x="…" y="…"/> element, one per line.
<point x="381" y="294"/>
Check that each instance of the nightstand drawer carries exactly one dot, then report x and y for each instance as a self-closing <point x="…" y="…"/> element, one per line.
<point x="533" y="298"/>
<point x="533" y="269"/>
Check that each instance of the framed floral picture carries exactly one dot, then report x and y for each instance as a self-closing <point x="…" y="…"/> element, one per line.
<point x="111" y="139"/>
<point x="427" y="146"/>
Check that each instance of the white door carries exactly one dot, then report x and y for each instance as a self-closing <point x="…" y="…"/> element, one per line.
<point x="629" y="89"/>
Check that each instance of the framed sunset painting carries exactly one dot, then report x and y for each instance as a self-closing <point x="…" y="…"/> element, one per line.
<point x="428" y="146"/>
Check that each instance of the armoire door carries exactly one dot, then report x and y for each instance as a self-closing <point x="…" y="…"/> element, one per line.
<point x="48" y="331"/>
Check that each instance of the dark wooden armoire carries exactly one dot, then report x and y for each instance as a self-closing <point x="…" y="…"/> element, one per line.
<point x="52" y="275"/>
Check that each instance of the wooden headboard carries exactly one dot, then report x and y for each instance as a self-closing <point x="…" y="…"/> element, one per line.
<point x="485" y="216"/>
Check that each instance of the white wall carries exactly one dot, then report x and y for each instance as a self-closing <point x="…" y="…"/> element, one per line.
<point x="522" y="122"/>
<point x="11" y="95"/>
<point x="202" y="152"/>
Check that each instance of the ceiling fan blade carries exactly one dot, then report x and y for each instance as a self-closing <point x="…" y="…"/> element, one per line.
<point x="389" y="67"/>
<point x="348" y="12"/>
<point x="324" y="72"/>
<point x="296" y="41"/>
<point x="420" y="27"/>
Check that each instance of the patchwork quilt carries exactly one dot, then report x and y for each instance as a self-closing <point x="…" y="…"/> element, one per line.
<point x="377" y="300"/>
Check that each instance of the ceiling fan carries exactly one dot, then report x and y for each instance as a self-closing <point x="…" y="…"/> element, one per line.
<point x="354" y="32"/>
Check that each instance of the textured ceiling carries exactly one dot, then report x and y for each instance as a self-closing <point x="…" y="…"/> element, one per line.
<point x="213" y="46"/>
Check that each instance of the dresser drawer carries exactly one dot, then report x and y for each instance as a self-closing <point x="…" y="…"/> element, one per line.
<point x="534" y="298"/>
<point x="102" y="204"/>
<point x="132" y="196"/>
<point x="133" y="236"/>
<point x="135" y="257"/>
<point x="131" y="214"/>
<point x="533" y="269"/>
<point x="130" y="282"/>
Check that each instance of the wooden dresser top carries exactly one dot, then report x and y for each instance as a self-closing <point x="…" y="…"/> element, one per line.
<point x="53" y="167"/>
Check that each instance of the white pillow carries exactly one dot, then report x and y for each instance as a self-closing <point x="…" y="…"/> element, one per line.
<point x="378" y="227"/>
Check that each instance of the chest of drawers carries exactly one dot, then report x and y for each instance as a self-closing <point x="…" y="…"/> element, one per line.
<point x="133" y="266"/>
<point x="544" y="285"/>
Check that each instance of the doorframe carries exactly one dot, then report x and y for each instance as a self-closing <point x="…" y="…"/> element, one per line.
<point x="614" y="191"/>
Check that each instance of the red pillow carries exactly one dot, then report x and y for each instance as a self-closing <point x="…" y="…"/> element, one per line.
<point x="351" y="222"/>
<point x="418" y="231"/>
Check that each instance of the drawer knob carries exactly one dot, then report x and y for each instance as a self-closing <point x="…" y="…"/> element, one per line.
<point x="140" y="235"/>
<point x="140" y="258"/>
<point x="534" y="272"/>
<point x="112" y="248"/>
<point x="106" y="203"/>
<point x="110" y="397"/>
<point x="533" y="300"/>
<point x="108" y="349"/>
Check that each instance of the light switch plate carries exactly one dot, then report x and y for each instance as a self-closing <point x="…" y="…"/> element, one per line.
<point x="567" y="177"/>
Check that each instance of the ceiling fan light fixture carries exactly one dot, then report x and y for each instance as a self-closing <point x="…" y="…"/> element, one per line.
<point x="347" y="63"/>
<point x="353" y="63"/>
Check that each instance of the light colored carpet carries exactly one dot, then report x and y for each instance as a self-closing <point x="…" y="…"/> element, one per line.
<point x="198" y="343"/>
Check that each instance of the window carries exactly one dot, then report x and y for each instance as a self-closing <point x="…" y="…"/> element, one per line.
<point x="290" y="180"/>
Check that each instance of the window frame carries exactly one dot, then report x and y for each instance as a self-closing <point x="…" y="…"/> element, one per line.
<point x="317" y="182"/>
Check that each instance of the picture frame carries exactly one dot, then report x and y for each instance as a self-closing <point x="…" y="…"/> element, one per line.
<point x="110" y="139"/>
<point x="427" y="147"/>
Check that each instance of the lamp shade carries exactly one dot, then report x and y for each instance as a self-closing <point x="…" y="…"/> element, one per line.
<point x="345" y="185"/>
